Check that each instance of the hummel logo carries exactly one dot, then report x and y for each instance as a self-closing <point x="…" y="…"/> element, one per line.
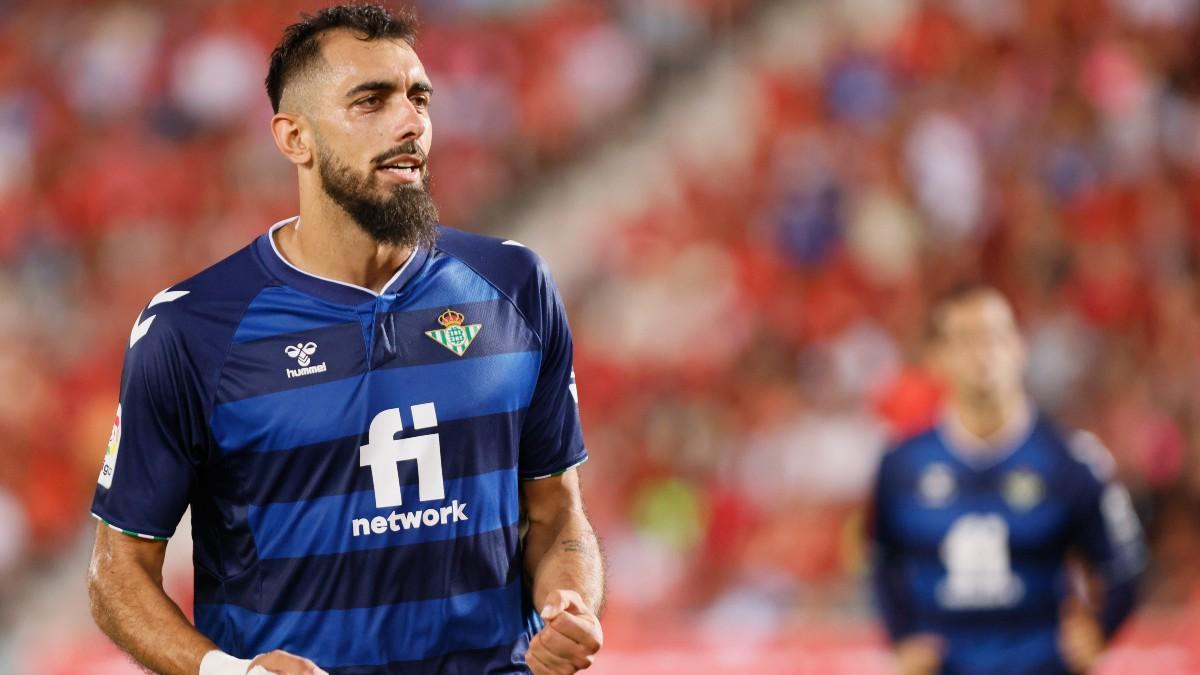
<point x="301" y="352"/>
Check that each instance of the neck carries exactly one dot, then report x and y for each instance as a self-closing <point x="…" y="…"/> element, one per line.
<point x="326" y="242"/>
<point x="988" y="421"/>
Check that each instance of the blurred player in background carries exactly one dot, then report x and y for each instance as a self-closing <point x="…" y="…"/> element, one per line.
<point x="975" y="521"/>
<point x="373" y="418"/>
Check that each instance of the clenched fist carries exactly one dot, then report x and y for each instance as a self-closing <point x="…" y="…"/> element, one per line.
<point x="569" y="641"/>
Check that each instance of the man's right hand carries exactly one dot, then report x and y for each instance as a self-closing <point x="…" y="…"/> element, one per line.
<point x="920" y="654"/>
<point x="283" y="663"/>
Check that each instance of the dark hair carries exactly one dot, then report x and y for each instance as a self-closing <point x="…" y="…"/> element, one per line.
<point x="955" y="295"/>
<point x="300" y="45"/>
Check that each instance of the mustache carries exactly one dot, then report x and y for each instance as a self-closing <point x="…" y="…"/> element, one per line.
<point x="406" y="148"/>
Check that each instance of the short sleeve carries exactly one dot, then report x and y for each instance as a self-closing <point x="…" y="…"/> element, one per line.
<point x="1108" y="532"/>
<point x="149" y="472"/>
<point x="551" y="437"/>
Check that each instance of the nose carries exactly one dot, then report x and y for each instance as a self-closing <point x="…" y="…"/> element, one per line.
<point x="411" y="124"/>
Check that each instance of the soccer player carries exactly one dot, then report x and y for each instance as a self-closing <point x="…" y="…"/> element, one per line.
<point x="974" y="521"/>
<point x="372" y="418"/>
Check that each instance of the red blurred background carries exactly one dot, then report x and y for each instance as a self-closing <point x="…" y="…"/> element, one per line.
<point x="748" y="204"/>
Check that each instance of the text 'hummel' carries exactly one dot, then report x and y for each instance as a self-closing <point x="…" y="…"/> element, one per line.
<point x="302" y="353"/>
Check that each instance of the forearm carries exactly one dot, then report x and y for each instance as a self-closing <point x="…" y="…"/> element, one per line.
<point x="130" y="606"/>
<point x="565" y="554"/>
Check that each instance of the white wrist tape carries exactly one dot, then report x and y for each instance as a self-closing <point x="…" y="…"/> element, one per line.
<point x="217" y="662"/>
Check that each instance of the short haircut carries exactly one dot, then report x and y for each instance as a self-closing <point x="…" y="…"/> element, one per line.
<point x="300" y="47"/>
<point x="957" y="294"/>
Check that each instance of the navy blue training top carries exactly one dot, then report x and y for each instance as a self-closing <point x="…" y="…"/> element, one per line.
<point x="977" y="552"/>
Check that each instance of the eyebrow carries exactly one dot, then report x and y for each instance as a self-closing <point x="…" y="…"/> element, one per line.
<point x="388" y="86"/>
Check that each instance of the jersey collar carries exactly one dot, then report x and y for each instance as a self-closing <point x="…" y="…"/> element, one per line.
<point x="331" y="289"/>
<point x="978" y="453"/>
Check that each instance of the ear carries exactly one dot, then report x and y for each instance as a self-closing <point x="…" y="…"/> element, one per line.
<point x="292" y="137"/>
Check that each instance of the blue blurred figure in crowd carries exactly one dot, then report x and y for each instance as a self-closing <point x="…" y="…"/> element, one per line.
<point x="976" y="522"/>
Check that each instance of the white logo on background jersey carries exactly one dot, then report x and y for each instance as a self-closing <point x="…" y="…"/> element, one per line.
<point x="936" y="485"/>
<point x="303" y="352"/>
<point x="978" y="570"/>
<point x="383" y="452"/>
<point x="142" y="326"/>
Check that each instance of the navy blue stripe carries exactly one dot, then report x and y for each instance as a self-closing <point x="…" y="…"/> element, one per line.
<point x="469" y="446"/>
<point x="279" y="310"/>
<point x="435" y="569"/>
<point x="326" y="525"/>
<point x="507" y="659"/>
<point x="502" y="330"/>
<point x="262" y="366"/>
<point x="372" y="636"/>
<point x="323" y="412"/>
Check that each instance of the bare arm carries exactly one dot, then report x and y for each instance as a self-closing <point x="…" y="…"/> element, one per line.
<point x="561" y="550"/>
<point x="130" y="606"/>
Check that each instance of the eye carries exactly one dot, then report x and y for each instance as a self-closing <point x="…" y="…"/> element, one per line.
<point x="370" y="101"/>
<point x="421" y="101"/>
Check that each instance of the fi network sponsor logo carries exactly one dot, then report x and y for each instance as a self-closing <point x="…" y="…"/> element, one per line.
<point x="303" y="352"/>
<point x="383" y="453"/>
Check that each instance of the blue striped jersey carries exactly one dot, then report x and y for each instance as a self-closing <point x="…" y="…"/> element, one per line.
<point x="976" y="551"/>
<point x="352" y="460"/>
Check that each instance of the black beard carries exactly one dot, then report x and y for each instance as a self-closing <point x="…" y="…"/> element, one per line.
<point x="406" y="217"/>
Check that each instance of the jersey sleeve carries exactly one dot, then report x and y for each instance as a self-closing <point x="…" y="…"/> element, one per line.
<point x="551" y="437"/>
<point x="888" y="580"/>
<point x="1107" y="531"/>
<point x="149" y="469"/>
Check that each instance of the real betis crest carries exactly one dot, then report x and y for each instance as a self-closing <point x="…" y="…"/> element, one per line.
<point x="453" y="335"/>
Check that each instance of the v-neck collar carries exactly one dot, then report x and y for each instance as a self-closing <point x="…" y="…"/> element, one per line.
<point x="331" y="289"/>
<point x="1002" y="452"/>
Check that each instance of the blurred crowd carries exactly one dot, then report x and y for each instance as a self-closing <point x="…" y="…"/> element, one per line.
<point x="752" y="343"/>
<point x="747" y="347"/>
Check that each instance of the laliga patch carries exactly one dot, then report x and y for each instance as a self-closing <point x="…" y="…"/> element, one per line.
<point x="453" y="335"/>
<point x="110" y="455"/>
<point x="936" y="485"/>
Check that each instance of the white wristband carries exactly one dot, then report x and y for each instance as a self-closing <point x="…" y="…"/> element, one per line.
<point x="217" y="662"/>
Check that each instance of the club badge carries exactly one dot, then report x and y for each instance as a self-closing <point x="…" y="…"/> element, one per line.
<point x="453" y="335"/>
<point x="1023" y="489"/>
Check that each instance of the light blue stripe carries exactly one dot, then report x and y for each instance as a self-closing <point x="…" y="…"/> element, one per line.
<point x="279" y="310"/>
<point x="372" y="636"/>
<point x="325" y="525"/>
<point x="459" y="389"/>
<point x="446" y="282"/>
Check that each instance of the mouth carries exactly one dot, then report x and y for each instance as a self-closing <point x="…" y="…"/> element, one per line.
<point x="402" y="169"/>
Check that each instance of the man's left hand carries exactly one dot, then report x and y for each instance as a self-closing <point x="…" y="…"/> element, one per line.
<point x="569" y="641"/>
<point x="1080" y="637"/>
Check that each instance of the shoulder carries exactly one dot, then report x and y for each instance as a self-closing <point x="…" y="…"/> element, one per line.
<point x="199" y="309"/>
<point x="912" y="450"/>
<point x="512" y="268"/>
<point x="507" y="264"/>
<point x="1081" y="452"/>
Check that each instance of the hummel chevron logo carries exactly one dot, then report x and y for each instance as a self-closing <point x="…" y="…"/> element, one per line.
<point x="142" y="326"/>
